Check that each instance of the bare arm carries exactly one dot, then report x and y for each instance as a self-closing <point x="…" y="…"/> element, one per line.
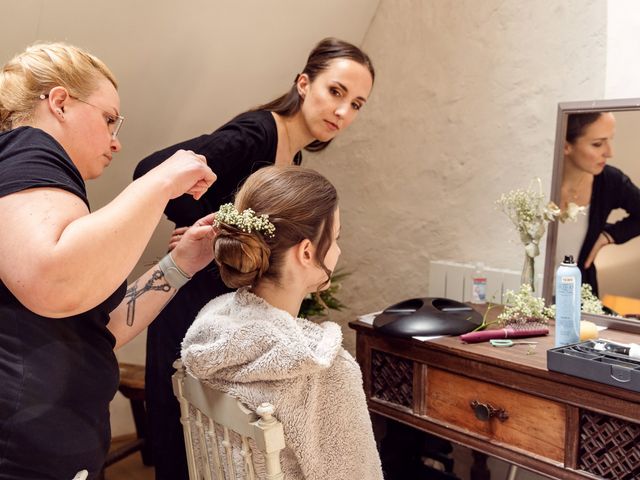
<point x="148" y="295"/>
<point x="59" y="260"/>
<point x="145" y="298"/>
<point x="602" y="241"/>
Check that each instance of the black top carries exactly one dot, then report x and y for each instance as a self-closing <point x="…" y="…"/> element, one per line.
<point x="57" y="376"/>
<point x="611" y="189"/>
<point x="31" y="158"/>
<point x="234" y="151"/>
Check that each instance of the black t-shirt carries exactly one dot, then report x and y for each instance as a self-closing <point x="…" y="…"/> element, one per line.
<point x="57" y="376"/>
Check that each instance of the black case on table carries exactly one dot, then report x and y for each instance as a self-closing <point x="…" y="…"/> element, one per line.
<point x="581" y="360"/>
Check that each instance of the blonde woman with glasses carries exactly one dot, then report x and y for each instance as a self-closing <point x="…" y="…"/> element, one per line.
<point x="64" y="302"/>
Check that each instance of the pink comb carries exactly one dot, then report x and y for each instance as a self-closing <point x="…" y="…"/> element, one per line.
<point x="534" y="330"/>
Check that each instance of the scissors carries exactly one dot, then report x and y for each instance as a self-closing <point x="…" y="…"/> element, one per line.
<point x="508" y="343"/>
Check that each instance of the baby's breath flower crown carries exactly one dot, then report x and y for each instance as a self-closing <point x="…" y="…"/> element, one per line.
<point x="247" y="220"/>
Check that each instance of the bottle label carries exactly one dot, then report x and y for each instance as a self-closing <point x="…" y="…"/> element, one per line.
<point x="479" y="290"/>
<point x="567" y="308"/>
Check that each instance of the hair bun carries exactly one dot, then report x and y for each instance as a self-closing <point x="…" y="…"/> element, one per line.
<point x="242" y="257"/>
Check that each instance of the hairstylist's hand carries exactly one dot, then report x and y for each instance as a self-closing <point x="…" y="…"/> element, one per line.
<point x="601" y="241"/>
<point x="176" y="235"/>
<point x="194" y="248"/>
<point x="187" y="172"/>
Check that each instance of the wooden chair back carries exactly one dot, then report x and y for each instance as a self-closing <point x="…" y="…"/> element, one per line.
<point x="217" y="427"/>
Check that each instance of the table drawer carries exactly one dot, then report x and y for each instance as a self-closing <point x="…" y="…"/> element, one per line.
<point x="515" y="419"/>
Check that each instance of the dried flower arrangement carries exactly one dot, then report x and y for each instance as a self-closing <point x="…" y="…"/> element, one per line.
<point x="530" y="213"/>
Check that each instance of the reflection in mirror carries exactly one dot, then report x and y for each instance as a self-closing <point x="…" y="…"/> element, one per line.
<point x="596" y="165"/>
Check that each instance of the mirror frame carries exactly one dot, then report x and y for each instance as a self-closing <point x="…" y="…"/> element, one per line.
<point x="564" y="110"/>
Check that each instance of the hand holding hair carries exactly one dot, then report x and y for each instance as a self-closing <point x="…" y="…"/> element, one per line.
<point x="194" y="249"/>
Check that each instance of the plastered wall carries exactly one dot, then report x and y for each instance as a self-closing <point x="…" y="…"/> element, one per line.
<point x="463" y="109"/>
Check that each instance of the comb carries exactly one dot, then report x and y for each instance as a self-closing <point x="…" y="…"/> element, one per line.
<point x="512" y="331"/>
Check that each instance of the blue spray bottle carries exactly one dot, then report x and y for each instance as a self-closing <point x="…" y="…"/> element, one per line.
<point x="568" y="300"/>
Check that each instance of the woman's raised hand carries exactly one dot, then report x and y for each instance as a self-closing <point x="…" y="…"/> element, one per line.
<point x="185" y="172"/>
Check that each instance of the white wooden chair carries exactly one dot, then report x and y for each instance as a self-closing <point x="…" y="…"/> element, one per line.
<point x="210" y="418"/>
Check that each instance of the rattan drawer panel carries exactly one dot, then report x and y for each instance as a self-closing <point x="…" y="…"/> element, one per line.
<point x="609" y="447"/>
<point x="392" y="379"/>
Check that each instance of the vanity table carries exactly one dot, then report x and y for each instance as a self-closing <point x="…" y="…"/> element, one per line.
<point x="504" y="402"/>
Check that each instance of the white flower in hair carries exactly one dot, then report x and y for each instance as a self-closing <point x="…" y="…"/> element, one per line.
<point x="247" y="220"/>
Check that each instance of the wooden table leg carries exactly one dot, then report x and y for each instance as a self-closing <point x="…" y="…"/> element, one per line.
<point x="479" y="469"/>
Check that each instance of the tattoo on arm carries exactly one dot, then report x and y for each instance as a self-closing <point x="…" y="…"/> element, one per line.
<point x="133" y="293"/>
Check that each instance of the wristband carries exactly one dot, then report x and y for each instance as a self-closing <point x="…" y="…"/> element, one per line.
<point x="172" y="273"/>
<point x="608" y="237"/>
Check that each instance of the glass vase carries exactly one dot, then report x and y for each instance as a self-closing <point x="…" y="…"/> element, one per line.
<point x="528" y="272"/>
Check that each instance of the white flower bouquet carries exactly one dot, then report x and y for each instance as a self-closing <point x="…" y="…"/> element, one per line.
<point x="522" y="307"/>
<point x="530" y="213"/>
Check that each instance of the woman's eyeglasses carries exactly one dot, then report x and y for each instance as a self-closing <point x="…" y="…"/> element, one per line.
<point x="114" y="122"/>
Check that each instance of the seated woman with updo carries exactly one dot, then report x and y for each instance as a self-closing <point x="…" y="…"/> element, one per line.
<point x="277" y="244"/>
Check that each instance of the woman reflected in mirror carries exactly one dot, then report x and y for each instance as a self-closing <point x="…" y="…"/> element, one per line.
<point x="588" y="181"/>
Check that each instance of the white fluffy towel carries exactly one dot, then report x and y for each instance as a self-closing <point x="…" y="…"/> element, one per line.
<point x="257" y="353"/>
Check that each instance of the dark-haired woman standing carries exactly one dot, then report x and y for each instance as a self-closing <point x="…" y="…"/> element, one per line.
<point x="323" y="101"/>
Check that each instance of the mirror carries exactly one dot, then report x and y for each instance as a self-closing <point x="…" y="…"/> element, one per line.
<point x="616" y="264"/>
